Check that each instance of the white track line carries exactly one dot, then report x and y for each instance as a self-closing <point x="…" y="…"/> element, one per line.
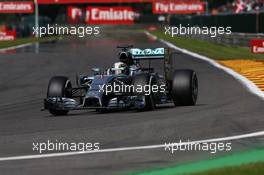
<point x="15" y="47"/>
<point x="108" y="150"/>
<point x="250" y="86"/>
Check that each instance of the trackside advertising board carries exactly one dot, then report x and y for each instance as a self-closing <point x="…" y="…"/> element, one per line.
<point x="7" y="35"/>
<point x="17" y="7"/>
<point x="75" y="15"/>
<point x="90" y="1"/>
<point x="257" y="46"/>
<point x="109" y="15"/>
<point x="170" y="7"/>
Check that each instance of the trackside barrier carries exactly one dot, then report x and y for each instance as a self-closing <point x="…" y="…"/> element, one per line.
<point x="235" y="39"/>
<point x="245" y="26"/>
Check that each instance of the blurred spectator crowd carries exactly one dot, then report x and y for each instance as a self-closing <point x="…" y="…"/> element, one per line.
<point x="240" y="6"/>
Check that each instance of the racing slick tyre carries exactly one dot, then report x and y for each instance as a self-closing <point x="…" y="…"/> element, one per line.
<point x="184" y="88"/>
<point x="143" y="80"/>
<point x="59" y="86"/>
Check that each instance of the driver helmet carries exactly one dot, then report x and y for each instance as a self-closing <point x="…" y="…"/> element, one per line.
<point x="120" y="68"/>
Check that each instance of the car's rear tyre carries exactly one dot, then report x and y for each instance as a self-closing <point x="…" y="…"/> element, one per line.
<point x="59" y="86"/>
<point x="184" y="90"/>
<point x="143" y="80"/>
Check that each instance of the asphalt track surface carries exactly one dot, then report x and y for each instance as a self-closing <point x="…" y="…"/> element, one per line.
<point x="224" y="108"/>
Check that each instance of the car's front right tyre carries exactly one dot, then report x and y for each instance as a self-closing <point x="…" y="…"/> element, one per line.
<point x="143" y="80"/>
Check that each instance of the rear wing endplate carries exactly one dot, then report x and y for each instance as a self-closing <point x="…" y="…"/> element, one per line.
<point x="154" y="54"/>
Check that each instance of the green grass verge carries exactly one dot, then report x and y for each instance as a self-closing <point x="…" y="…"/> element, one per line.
<point x="246" y="169"/>
<point x="209" y="49"/>
<point x="20" y="41"/>
<point x="236" y="159"/>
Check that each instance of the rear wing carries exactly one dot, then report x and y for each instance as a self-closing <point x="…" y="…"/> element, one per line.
<point x="148" y="54"/>
<point x="154" y="54"/>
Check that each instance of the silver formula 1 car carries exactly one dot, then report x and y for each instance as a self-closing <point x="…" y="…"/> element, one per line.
<point x="125" y="85"/>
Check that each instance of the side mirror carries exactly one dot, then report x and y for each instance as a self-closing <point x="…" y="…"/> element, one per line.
<point x="96" y="71"/>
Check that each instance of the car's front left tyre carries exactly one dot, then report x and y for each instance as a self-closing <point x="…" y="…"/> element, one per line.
<point x="59" y="87"/>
